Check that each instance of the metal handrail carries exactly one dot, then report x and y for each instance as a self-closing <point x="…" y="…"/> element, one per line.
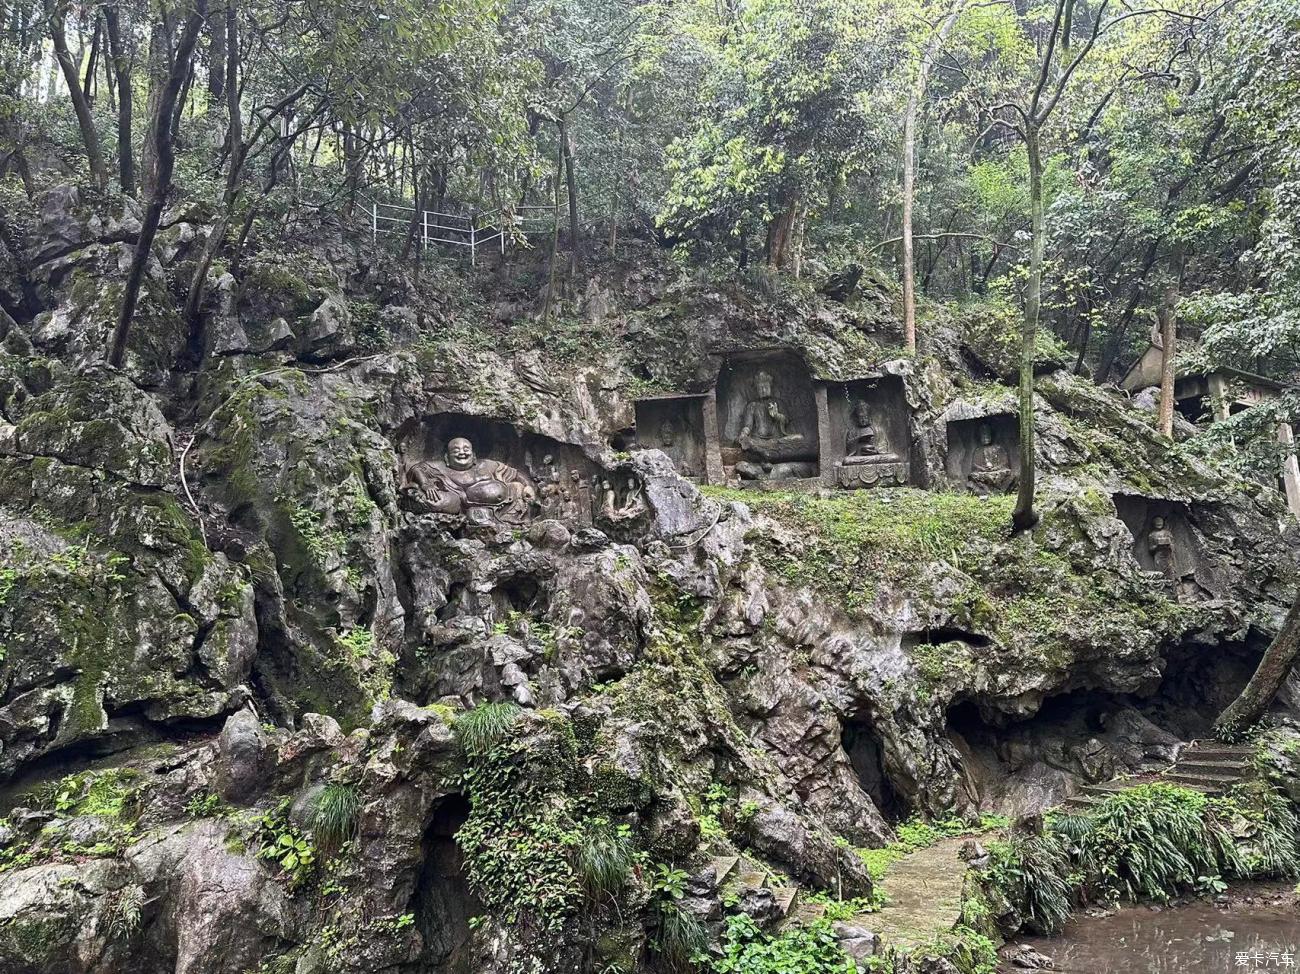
<point x="481" y="227"/>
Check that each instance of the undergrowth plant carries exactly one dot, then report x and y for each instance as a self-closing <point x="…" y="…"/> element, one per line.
<point x="604" y="856"/>
<point x="481" y="729"/>
<point x="748" y="949"/>
<point x="334" y="815"/>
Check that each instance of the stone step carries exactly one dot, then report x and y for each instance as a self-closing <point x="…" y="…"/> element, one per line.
<point x="1240" y="768"/>
<point x="1105" y="789"/>
<point x="723" y="866"/>
<point x="1207" y="777"/>
<point x="1205" y="783"/>
<point x="749" y="878"/>
<point x="805" y="913"/>
<point x="1080" y="801"/>
<point x="785" y="897"/>
<point x="1217" y="753"/>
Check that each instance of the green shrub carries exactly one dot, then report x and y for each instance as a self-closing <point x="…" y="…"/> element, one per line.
<point x="1031" y="871"/>
<point x="604" y="855"/>
<point x="1267" y="831"/>
<point x="679" y="937"/>
<point x="812" y="949"/>
<point x="1155" y="840"/>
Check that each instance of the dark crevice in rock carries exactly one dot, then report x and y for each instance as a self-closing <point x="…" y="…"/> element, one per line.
<point x="938" y="635"/>
<point x="443" y="903"/>
<point x="866" y="752"/>
<point x="128" y="729"/>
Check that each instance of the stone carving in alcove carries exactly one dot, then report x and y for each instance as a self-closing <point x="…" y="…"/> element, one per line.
<point x="483" y="473"/>
<point x="768" y="417"/>
<point x="868" y="436"/>
<point x="984" y="453"/>
<point x="482" y="490"/>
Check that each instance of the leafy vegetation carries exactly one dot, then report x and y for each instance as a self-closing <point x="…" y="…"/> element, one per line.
<point x="811" y="949"/>
<point x="1152" y="841"/>
<point x="479" y="730"/>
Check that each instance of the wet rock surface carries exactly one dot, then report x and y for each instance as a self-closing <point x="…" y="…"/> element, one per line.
<point x="220" y="614"/>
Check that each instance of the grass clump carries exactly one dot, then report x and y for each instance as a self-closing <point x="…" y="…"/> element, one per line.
<point x="679" y="937"/>
<point x="334" y="815"/>
<point x="1031" y="870"/>
<point x="1155" y="840"/>
<point x="604" y="855"/>
<point x="479" y="730"/>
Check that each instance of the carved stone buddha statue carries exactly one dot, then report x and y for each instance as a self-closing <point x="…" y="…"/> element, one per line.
<point x="484" y="491"/>
<point x="765" y="439"/>
<point x="1160" y="545"/>
<point x="860" y="439"/>
<point x="990" y="468"/>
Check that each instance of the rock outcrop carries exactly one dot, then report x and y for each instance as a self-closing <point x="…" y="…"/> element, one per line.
<point x="257" y="713"/>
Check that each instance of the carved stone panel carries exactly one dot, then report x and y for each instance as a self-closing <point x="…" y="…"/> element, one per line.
<point x="867" y="442"/>
<point x="1164" y="543"/>
<point x="676" y="425"/>
<point x="984" y="453"/>
<point x="481" y="473"/>
<point x="767" y="417"/>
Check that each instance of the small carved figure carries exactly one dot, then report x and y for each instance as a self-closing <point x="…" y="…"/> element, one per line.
<point x="550" y="493"/>
<point x="668" y="433"/>
<point x="577" y="498"/>
<point x="1160" y="545"/>
<point x="990" y="468"/>
<point x="631" y="507"/>
<point x="482" y="490"/>
<point x="765" y="436"/>
<point x="860" y="439"/>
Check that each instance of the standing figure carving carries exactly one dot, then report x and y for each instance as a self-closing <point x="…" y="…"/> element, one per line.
<point x="1160" y="545"/>
<point x="483" y="490"/>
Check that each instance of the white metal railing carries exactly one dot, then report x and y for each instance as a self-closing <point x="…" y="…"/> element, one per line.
<point x="472" y="229"/>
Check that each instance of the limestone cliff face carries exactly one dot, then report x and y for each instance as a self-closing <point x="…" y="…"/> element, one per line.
<point x="218" y="604"/>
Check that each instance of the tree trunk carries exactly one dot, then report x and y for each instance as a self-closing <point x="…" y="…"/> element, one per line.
<point x="555" y="234"/>
<point x="234" y="174"/>
<point x="914" y="101"/>
<point x="164" y="160"/>
<point x="1024" y="517"/>
<point x="55" y="13"/>
<point x="122" y="74"/>
<point x="1168" y="317"/>
<point x="217" y="52"/>
<point x="1273" y="669"/>
<point x="571" y="187"/>
<point x="779" y="232"/>
<point x="92" y="62"/>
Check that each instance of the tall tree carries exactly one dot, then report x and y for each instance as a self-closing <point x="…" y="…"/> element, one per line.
<point x="56" y="16"/>
<point x="1057" y="65"/>
<point x="914" y="102"/>
<point x="1274" y="667"/>
<point x="162" y="135"/>
<point x="121" y="59"/>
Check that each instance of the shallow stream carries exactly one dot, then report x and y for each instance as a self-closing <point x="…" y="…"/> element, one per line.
<point x="1256" y="931"/>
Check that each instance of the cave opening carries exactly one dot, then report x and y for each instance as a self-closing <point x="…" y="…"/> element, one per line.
<point x="443" y="903"/>
<point x="1019" y="763"/>
<point x="866" y="753"/>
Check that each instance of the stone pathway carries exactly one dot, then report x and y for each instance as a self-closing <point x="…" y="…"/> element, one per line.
<point x="1206" y="766"/>
<point x="923" y="893"/>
